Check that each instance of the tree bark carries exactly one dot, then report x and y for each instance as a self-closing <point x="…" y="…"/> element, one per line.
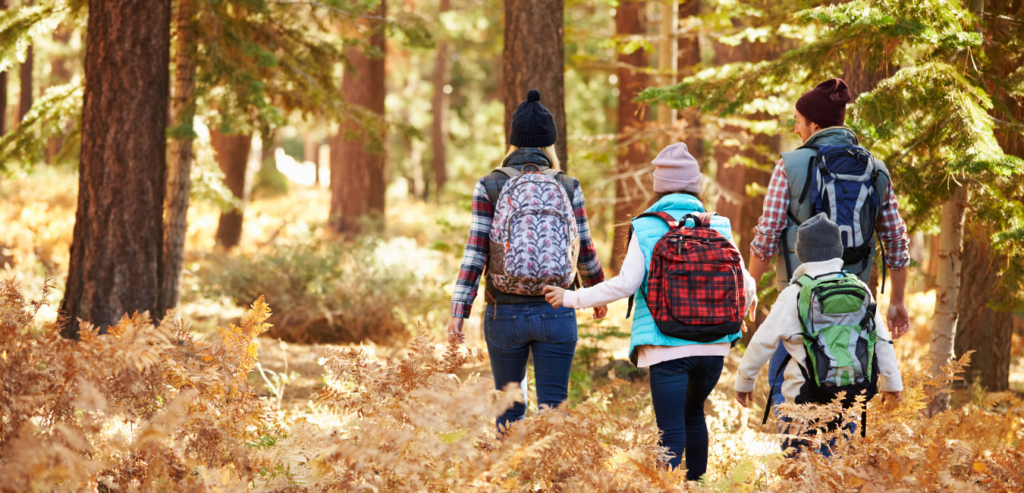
<point x="980" y="328"/>
<point x="745" y="212"/>
<point x="439" y="106"/>
<point x="233" y="155"/>
<point x="689" y="61"/>
<point x="179" y="169"/>
<point x="116" y="250"/>
<point x="357" y="173"/>
<point x="630" y="192"/>
<point x="3" y="89"/>
<point x="59" y="74"/>
<point x="25" y="76"/>
<point x="668" y="63"/>
<point x="947" y="281"/>
<point x="534" y="58"/>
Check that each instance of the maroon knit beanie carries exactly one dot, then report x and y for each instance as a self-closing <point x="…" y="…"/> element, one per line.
<point x="826" y="103"/>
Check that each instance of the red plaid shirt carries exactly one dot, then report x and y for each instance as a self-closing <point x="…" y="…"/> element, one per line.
<point x="891" y="228"/>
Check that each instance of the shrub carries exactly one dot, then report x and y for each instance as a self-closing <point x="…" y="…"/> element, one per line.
<point x="333" y="292"/>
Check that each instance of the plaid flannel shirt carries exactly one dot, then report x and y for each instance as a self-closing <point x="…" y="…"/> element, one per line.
<point x="475" y="256"/>
<point x="891" y="228"/>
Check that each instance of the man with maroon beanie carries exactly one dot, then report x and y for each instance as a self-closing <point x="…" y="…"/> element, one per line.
<point x="820" y="119"/>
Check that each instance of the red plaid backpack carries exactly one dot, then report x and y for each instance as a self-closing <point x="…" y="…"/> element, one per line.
<point x="695" y="281"/>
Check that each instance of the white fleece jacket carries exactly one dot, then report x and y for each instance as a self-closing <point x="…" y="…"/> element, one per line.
<point x="783" y="324"/>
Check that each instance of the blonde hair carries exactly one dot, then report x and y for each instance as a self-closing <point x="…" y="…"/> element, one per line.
<point x="549" y="151"/>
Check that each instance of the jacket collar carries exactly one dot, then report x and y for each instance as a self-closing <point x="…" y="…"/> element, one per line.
<point x="832" y="136"/>
<point x="818" y="268"/>
<point x="527" y="155"/>
<point x="677" y="202"/>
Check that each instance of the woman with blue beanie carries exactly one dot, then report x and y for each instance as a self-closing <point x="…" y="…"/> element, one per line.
<point x="682" y="372"/>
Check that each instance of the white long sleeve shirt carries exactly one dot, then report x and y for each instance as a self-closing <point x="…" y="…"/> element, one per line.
<point x="631" y="276"/>
<point x="783" y="324"/>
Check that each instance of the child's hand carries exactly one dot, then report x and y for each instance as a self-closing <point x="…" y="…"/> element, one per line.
<point x="895" y="397"/>
<point x="600" y="312"/>
<point x="743" y="398"/>
<point x="556" y="296"/>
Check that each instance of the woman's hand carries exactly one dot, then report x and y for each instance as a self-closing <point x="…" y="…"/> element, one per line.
<point x="743" y="398"/>
<point x="455" y="330"/>
<point x="556" y="296"/>
<point x="600" y="312"/>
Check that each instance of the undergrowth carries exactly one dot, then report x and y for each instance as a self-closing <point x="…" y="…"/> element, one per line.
<point x="327" y="291"/>
<point x="152" y="408"/>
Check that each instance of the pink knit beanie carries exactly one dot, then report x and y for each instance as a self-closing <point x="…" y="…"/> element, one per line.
<point x="675" y="170"/>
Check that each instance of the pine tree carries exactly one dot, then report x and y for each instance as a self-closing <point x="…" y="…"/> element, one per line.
<point x="633" y="185"/>
<point x="116" y="258"/>
<point x="929" y="120"/>
<point x="534" y="58"/>
<point x="439" y="107"/>
<point x="357" y="168"/>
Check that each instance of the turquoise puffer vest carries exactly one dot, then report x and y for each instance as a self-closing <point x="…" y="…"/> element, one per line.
<point x="648" y="231"/>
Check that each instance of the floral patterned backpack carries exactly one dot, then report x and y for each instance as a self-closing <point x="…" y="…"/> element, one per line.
<point x="534" y="238"/>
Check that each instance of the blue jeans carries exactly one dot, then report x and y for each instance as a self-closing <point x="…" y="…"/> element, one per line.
<point x="513" y="333"/>
<point x="777" y="398"/>
<point x="679" y="389"/>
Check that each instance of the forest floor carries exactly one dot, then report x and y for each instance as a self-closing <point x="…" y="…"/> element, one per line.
<point x="35" y="232"/>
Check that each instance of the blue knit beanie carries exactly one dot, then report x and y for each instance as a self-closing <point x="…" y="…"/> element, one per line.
<point x="532" y="123"/>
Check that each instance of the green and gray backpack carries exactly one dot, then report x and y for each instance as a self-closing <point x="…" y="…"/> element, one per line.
<point x="837" y="318"/>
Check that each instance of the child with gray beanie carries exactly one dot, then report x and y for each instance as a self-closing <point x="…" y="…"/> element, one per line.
<point x="819" y="247"/>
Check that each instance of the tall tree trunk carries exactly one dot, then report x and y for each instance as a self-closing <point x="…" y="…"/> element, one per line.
<point x="357" y="174"/>
<point x="667" y="65"/>
<point x="3" y="89"/>
<point x="534" y="58"/>
<point x="630" y="192"/>
<point x="948" y="282"/>
<point x="59" y="74"/>
<point x="234" y="153"/>
<point x="179" y="169"/>
<point x="25" y="76"/>
<point x="689" y="60"/>
<point x="741" y="209"/>
<point x="439" y="107"/>
<point x="116" y="250"/>
<point x="979" y="327"/>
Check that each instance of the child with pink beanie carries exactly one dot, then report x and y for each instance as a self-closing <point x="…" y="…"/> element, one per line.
<point x="683" y="372"/>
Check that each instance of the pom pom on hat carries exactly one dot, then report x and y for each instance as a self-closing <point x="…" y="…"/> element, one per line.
<point x="532" y="123"/>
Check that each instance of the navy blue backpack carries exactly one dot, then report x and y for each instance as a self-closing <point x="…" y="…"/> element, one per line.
<point x="842" y="185"/>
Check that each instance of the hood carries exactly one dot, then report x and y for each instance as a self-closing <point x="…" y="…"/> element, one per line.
<point x="527" y="155"/>
<point x="832" y="136"/>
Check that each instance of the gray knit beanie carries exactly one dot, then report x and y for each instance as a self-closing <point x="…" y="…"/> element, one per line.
<point x="818" y="240"/>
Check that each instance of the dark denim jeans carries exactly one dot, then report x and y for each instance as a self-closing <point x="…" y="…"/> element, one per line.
<point x="777" y="398"/>
<point x="679" y="389"/>
<point x="516" y="330"/>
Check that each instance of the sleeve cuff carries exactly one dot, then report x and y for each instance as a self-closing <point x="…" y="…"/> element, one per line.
<point x="744" y="385"/>
<point x="461" y="311"/>
<point x="886" y="384"/>
<point x="572" y="299"/>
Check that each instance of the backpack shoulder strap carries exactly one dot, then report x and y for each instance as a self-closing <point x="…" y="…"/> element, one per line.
<point x="553" y="172"/>
<point x="507" y="171"/>
<point x="768" y="405"/>
<point x="701" y="219"/>
<point x="664" y="216"/>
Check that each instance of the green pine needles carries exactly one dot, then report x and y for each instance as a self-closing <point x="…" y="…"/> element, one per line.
<point x="930" y="119"/>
